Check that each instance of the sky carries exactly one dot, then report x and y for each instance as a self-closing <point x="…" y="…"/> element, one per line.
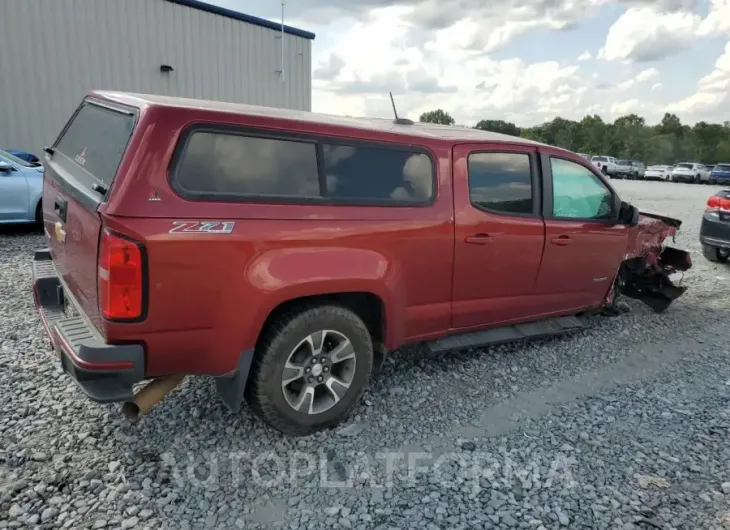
<point x="524" y="61"/>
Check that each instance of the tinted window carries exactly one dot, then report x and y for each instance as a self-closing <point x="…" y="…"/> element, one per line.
<point x="96" y="140"/>
<point x="722" y="167"/>
<point x="578" y="193"/>
<point x="599" y="159"/>
<point x="224" y="164"/>
<point x="501" y="182"/>
<point x="685" y="166"/>
<point x="368" y="173"/>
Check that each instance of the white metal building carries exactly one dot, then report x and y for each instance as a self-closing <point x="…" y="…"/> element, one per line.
<point x="53" y="52"/>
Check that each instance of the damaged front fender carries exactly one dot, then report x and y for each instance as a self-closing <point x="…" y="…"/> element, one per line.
<point x="648" y="263"/>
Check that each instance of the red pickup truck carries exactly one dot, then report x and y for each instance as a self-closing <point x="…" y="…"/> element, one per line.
<point x="285" y="253"/>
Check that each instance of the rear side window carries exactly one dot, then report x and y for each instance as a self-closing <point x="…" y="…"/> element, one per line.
<point x="237" y="167"/>
<point x="95" y="140"/>
<point x="501" y="182"/>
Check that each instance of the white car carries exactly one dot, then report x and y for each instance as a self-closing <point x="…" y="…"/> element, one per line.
<point x="690" y="172"/>
<point x="606" y="164"/>
<point x="659" y="173"/>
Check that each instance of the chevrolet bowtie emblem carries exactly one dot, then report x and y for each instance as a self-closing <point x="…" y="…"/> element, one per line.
<point x="60" y="232"/>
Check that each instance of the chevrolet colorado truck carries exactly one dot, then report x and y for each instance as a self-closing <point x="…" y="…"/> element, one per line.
<point x="286" y="253"/>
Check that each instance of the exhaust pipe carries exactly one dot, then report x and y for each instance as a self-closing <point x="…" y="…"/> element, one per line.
<point x="150" y="395"/>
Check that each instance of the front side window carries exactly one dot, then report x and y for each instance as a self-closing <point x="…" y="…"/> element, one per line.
<point x="501" y="182"/>
<point x="578" y="193"/>
<point x="363" y="173"/>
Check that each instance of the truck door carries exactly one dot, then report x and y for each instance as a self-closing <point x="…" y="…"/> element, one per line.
<point x="499" y="234"/>
<point x="584" y="245"/>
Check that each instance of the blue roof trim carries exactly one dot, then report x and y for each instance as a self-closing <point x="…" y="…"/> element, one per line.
<point x="217" y="10"/>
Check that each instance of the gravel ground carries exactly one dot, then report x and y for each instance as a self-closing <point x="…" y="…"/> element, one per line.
<point x="625" y="425"/>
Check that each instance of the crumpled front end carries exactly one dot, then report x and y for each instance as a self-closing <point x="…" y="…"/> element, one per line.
<point x="649" y="263"/>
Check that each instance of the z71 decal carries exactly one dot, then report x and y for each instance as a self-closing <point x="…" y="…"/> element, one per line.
<point x="203" y="227"/>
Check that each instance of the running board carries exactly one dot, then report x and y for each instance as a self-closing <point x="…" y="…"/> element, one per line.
<point x="530" y="330"/>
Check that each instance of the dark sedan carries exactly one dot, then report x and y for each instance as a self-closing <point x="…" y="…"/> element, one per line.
<point x="715" y="228"/>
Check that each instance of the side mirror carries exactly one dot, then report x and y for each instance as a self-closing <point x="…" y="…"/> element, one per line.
<point x="5" y="167"/>
<point x="628" y="215"/>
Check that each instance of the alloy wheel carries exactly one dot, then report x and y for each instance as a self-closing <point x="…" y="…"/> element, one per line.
<point x="318" y="372"/>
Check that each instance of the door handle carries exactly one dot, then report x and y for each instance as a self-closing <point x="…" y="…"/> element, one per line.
<point x="60" y="206"/>
<point x="478" y="239"/>
<point x="561" y="240"/>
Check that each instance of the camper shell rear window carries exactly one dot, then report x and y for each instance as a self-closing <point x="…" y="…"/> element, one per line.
<point x="95" y="140"/>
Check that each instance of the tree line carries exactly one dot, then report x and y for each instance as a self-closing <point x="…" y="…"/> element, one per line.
<point x="668" y="142"/>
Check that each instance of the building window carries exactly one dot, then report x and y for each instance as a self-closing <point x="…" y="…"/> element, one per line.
<point x="501" y="182"/>
<point x="578" y="193"/>
<point x="225" y="164"/>
<point x="374" y="174"/>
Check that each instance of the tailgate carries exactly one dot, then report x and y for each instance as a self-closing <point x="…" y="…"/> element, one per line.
<point x="80" y="171"/>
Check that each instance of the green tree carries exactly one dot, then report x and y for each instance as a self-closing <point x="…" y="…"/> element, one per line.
<point x="667" y="142"/>
<point x="499" y="126"/>
<point x="437" y="116"/>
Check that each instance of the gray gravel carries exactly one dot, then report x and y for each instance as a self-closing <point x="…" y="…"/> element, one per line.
<point x="626" y="425"/>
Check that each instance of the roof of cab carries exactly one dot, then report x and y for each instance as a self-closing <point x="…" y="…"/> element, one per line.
<point x="432" y="131"/>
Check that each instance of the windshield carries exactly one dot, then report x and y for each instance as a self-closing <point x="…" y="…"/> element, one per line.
<point x="16" y="160"/>
<point x="684" y="166"/>
<point x="722" y="167"/>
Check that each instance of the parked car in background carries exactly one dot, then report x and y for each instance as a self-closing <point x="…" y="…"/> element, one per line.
<point x="21" y="187"/>
<point x="720" y="174"/>
<point x="658" y="173"/>
<point x="296" y="286"/>
<point x="623" y="169"/>
<point x="606" y="165"/>
<point x="690" y="172"/>
<point x="24" y="155"/>
<point x="715" y="228"/>
<point x="639" y="169"/>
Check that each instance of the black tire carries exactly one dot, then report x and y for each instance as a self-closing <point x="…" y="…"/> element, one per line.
<point x="697" y="179"/>
<point x="714" y="254"/>
<point x="39" y="214"/>
<point x="264" y="391"/>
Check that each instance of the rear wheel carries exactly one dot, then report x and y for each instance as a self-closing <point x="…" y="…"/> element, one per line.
<point x="311" y="369"/>
<point x="697" y="179"/>
<point x="717" y="255"/>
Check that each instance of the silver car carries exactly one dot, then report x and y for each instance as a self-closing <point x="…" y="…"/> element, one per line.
<point x="21" y="189"/>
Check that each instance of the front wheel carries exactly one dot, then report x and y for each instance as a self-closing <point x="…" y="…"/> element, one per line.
<point x="714" y="254"/>
<point x="310" y="369"/>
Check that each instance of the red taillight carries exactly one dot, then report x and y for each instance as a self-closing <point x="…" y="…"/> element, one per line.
<point x="716" y="203"/>
<point x="121" y="288"/>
